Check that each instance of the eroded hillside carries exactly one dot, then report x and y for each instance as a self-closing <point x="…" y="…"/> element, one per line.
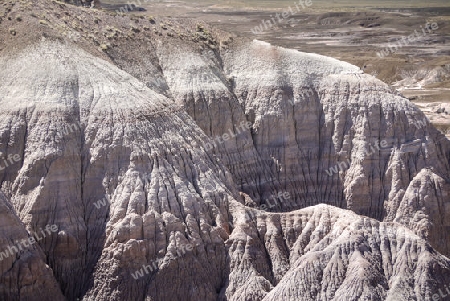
<point x="156" y="142"/>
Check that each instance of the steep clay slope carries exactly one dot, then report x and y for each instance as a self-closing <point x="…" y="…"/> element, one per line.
<point x="317" y="123"/>
<point x="24" y="274"/>
<point x="326" y="253"/>
<point x="121" y="113"/>
<point x="87" y="131"/>
<point x="321" y="130"/>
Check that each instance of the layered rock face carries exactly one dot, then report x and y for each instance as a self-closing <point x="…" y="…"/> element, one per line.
<point x="112" y="137"/>
<point x="321" y="130"/>
<point x="102" y="136"/>
<point x="23" y="269"/>
<point x="326" y="253"/>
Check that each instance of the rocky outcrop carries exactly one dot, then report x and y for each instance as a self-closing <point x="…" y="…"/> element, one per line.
<point x="155" y="148"/>
<point x="102" y="159"/>
<point x="83" y="2"/>
<point x="326" y="253"/>
<point x="24" y="274"/>
<point x="320" y="130"/>
<point x="424" y="206"/>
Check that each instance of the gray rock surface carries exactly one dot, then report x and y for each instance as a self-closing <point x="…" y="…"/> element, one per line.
<point x="109" y="136"/>
<point x="326" y="253"/>
<point x="24" y="274"/>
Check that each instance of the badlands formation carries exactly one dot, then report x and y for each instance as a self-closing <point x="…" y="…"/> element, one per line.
<point x="180" y="162"/>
